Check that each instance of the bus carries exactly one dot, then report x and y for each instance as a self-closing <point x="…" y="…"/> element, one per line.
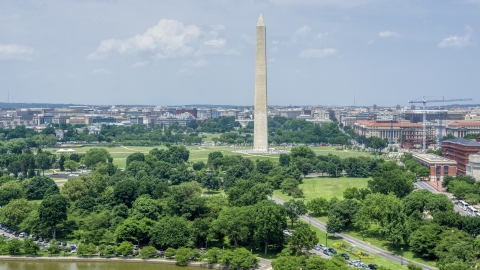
<point x="463" y="205"/>
<point x="472" y="211"/>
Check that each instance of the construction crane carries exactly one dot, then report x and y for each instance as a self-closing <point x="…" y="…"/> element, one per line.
<point x="424" y="101"/>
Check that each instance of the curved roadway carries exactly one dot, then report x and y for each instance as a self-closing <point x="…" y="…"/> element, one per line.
<point x="359" y="243"/>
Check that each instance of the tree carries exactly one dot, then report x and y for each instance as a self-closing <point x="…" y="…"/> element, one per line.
<point x="75" y="188"/>
<point x="288" y="263"/>
<point x="268" y="219"/>
<point x="334" y="225"/>
<point x="125" y="248"/>
<point x="93" y="156"/>
<point x="396" y="181"/>
<point x="43" y="161"/>
<point x="15" y="212"/>
<point x="295" y="209"/>
<point x="125" y="191"/>
<point x="13" y="246"/>
<point x="302" y="151"/>
<point x="61" y="163"/>
<point x="318" y="206"/>
<point x="148" y="252"/>
<point x="86" y="249"/>
<point x="182" y="255"/>
<point x="135" y="156"/>
<point x="171" y="232"/>
<point x="36" y="188"/>
<point x="425" y="239"/>
<point x="71" y="165"/>
<point x="234" y="222"/>
<point x="345" y="210"/>
<point x="284" y="160"/>
<point x="133" y="229"/>
<point x="52" y="211"/>
<point x="30" y="247"/>
<point x="303" y="238"/>
<point x="264" y="166"/>
<point x="53" y="247"/>
<point x="145" y="206"/>
<point x="10" y="191"/>
<point x="242" y="259"/>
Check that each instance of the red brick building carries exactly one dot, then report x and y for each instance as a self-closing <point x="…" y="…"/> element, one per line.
<point x="459" y="149"/>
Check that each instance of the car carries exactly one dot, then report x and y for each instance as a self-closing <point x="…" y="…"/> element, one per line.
<point x="40" y="240"/>
<point x="73" y="251"/>
<point x="333" y="251"/>
<point x="202" y="250"/>
<point x="345" y="256"/>
<point x="64" y="244"/>
<point x="21" y="235"/>
<point x="322" y="247"/>
<point x="327" y="252"/>
<point x="372" y="266"/>
<point x="316" y="247"/>
<point x="135" y="247"/>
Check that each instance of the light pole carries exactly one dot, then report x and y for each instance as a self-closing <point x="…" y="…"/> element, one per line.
<point x="401" y="258"/>
<point x="326" y="239"/>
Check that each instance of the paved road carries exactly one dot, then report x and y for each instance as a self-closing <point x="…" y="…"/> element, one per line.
<point x="359" y="243"/>
<point x="423" y="185"/>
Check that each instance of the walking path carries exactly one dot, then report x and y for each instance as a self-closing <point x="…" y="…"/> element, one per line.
<point x="359" y="243"/>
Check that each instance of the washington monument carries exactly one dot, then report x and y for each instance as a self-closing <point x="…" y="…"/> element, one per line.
<point x="260" y="133"/>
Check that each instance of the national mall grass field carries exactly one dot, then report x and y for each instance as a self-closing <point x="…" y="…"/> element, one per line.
<point x="200" y="153"/>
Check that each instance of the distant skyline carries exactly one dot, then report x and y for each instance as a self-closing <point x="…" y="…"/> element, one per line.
<point x="170" y="52"/>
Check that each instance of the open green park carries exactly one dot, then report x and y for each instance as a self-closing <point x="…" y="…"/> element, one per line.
<point x="313" y="186"/>
<point x="200" y="152"/>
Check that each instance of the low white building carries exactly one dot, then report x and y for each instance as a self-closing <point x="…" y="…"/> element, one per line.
<point x="473" y="166"/>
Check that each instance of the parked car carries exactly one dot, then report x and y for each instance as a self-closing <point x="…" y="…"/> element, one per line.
<point x="316" y="247"/>
<point x="21" y="235"/>
<point x="40" y="240"/>
<point x="333" y="251"/>
<point x="135" y="247"/>
<point x="345" y="256"/>
<point x="372" y="266"/>
<point x="202" y="250"/>
<point x="327" y="252"/>
<point x="322" y="247"/>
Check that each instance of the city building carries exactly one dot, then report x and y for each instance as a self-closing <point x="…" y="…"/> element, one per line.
<point x="439" y="166"/>
<point x="462" y="128"/>
<point x="459" y="150"/>
<point x="409" y="135"/>
<point x="473" y="166"/>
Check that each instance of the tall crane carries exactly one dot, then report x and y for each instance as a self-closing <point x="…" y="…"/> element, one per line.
<point x="424" y="101"/>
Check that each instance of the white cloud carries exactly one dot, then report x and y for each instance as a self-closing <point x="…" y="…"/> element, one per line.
<point x="140" y="64"/>
<point x="248" y="38"/>
<point x="16" y="52"/>
<point x="316" y="53"/>
<point x="101" y="71"/>
<point x="389" y="34"/>
<point x="168" y="39"/>
<point x="197" y="64"/>
<point x="457" y="41"/>
<point x="301" y="32"/>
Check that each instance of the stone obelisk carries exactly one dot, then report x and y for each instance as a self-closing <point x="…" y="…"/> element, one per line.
<point x="260" y="133"/>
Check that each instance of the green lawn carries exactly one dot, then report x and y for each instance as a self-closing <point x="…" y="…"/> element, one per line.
<point x="326" y="187"/>
<point x="373" y="237"/>
<point x="380" y="261"/>
<point x="200" y="153"/>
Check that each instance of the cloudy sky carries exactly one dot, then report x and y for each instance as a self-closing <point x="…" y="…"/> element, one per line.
<point x="170" y="52"/>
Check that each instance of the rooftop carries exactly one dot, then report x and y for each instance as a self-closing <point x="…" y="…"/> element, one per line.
<point x="431" y="158"/>
<point x="463" y="141"/>
<point x="373" y="123"/>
